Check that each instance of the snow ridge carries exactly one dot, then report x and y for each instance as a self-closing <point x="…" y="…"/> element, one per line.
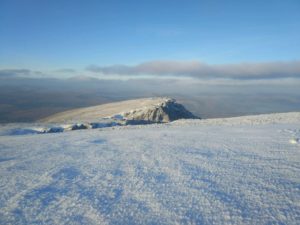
<point x="148" y="110"/>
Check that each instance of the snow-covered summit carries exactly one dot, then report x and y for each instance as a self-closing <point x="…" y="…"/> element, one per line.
<point x="151" y="110"/>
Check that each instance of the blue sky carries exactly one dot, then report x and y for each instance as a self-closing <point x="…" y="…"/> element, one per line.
<point x="53" y="34"/>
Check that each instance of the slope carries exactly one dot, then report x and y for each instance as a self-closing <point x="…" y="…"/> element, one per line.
<point x="224" y="171"/>
<point x="145" y="109"/>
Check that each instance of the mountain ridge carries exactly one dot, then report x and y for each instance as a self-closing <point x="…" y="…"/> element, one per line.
<point x="147" y="110"/>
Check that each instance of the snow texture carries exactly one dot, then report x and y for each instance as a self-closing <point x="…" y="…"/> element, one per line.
<point x="223" y="171"/>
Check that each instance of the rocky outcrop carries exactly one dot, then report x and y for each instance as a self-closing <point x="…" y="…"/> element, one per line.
<point x="165" y="111"/>
<point x="137" y="111"/>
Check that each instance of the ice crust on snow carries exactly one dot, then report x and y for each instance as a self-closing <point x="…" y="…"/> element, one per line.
<point x="223" y="171"/>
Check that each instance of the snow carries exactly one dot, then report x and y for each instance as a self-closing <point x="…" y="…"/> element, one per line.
<point x="222" y="171"/>
<point x="295" y="141"/>
<point x="110" y="110"/>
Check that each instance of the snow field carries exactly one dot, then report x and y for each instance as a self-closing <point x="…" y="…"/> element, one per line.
<point x="180" y="173"/>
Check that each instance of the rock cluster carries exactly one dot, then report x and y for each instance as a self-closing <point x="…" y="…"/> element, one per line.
<point x="165" y="111"/>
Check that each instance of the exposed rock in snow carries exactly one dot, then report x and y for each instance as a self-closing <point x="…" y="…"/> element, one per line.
<point x="52" y="130"/>
<point x="154" y="110"/>
<point x="165" y="111"/>
<point x="80" y="126"/>
<point x="146" y="110"/>
<point x="118" y="121"/>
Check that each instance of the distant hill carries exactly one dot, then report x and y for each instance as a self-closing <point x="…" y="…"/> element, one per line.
<point x="143" y="110"/>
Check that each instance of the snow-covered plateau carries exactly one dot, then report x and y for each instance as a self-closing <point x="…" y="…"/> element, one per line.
<point x="243" y="170"/>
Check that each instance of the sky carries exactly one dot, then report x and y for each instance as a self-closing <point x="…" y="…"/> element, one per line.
<point x="67" y="36"/>
<point x="219" y="58"/>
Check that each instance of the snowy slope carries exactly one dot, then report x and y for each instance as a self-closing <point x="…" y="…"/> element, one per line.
<point x="225" y="171"/>
<point x="144" y="109"/>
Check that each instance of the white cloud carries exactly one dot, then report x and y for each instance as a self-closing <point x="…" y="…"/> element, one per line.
<point x="196" y="69"/>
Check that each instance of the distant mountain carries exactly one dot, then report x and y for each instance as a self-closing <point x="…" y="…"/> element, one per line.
<point x="145" y="110"/>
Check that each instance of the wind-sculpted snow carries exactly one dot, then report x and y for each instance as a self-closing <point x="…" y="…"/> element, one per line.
<point x="180" y="173"/>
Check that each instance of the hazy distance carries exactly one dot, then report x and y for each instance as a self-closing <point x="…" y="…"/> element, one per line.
<point x="29" y="99"/>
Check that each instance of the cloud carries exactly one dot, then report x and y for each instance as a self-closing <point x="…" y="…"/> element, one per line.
<point x="196" y="69"/>
<point x="65" y="70"/>
<point x="14" y="73"/>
